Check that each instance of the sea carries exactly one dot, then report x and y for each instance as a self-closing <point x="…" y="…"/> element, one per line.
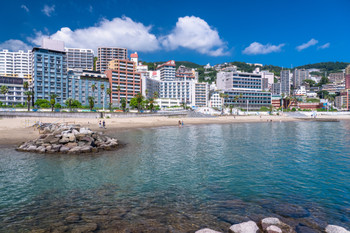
<point x="182" y="179"/>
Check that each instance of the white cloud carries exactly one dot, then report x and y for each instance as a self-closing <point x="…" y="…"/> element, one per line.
<point x="194" y="33"/>
<point x="48" y="10"/>
<point x="15" y="45"/>
<point x="326" y="45"/>
<point x="257" y="48"/>
<point x="25" y="8"/>
<point x="307" y="44"/>
<point x="118" y="32"/>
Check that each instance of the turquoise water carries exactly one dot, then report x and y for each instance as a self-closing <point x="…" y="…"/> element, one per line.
<point x="183" y="179"/>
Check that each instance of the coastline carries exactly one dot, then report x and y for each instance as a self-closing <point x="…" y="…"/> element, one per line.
<point x="14" y="131"/>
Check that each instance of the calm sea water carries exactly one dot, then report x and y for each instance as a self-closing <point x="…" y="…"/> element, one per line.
<point x="183" y="179"/>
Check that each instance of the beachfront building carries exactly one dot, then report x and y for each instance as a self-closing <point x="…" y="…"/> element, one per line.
<point x="337" y="77"/>
<point x="299" y="76"/>
<point x="167" y="70"/>
<point x="165" y="103"/>
<point x="124" y="81"/>
<point x="49" y="69"/>
<point x="150" y="86"/>
<point x="215" y="100"/>
<point x="107" y="54"/>
<point x="80" y="58"/>
<point x="16" y="64"/>
<point x="181" y="90"/>
<point x="276" y="88"/>
<point x="285" y="82"/>
<point x="245" y="87"/>
<point x="15" y="94"/>
<point x="80" y="83"/>
<point x="201" y="95"/>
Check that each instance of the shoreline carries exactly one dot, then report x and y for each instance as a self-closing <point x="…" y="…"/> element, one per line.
<point x="15" y="130"/>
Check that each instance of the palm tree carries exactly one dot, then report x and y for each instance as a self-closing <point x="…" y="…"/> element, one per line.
<point x="139" y="99"/>
<point x="93" y="87"/>
<point x="25" y="85"/>
<point x="151" y="104"/>
<point x="109" y="93"/>
<point x="123" y="103"/>
<point x="155" y="95"/>
<point x="53" y="100"/>
<point x="69" y="103"/>
<point x="103" y="96"/>
<point x="4" y="90"/>
<point x="118" y="90"/>
<point x="146" y="92"/>
<point x="29" y="95"/>
<point x="91" y="100"/>
<point x="223" y="96"/>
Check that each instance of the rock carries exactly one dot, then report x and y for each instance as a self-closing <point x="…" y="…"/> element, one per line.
<point x="71" y="137"/>
<point x="64" y="149"/>
<point x="31" y="148"/>
<point x="85" y="131"/>
<point x="39" y="142"/>
<point x="88" y="227"/>
<point x="87" y="139"/>
<point x="73" y="218"/>
<point x="55" y="140"/>
<point x="305" y="229"/>
<point x="336" y="229"/>
<point x="75" y="132"/>
<point x="207" y="230"/>
<point x="245" y="227"/>
<point x="56" y="147"/>
<point x="48" y="138"/>
<point x="80" y="143"/>
<point x="46" y="130"/>
<point x="86" y="149"/>
<point x="74" y="150"/>
<point x="266" y="222"/>
<point x="94" y="149"/>
<point x="71" y="144"/>
<point x="273" y="229"/>
<point x="290" y="210"/>
<point x="63" y="140"/>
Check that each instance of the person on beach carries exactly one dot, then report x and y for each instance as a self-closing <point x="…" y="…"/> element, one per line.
<point x="104" y="124"/>
<point x="99" y="124"/>
<point x="179" y="123"/>
<point x="182" y="123"/>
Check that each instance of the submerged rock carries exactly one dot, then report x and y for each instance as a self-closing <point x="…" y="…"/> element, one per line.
<point x="207" y="230"/>
<point x="273" y="229"/>
<point x="336" y="229"/>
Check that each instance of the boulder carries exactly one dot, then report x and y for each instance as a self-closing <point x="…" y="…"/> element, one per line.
<point x="55" y="140"/>
<point x="46" y="130"/>
<point x="64" y="140"/>
<point x="266" y="222"/>
<point x="74" y="150"/>
<point x="87" y="139"/>
<point x="207" y="230"/>
<point x="81" y="143"/>
<point x="75" y="132"/>
<point x="245" y="227"/>
<point x="85" y="131"/>
<point x="64" y="149"/>
<point x="48" y="138"/>
<point x="336" y="229"/>
<point x="71" y="144"/>
<point x="85" y="149"/>
<point x="273" y="229"/>
<point x="31" y="148"/>
<point x="39" y="142"/>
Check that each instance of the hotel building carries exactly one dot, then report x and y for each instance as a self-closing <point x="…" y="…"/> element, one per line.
<point x="16" y="64"/>
<point x="167" y="70"/>
<point x="299" y="76"/>
<point x="16" y="91"/>
<point x="285" y="82"/>
<point x="107" y="54"/>
<point x="80" y="58"/>
<point x="124" y="81"/>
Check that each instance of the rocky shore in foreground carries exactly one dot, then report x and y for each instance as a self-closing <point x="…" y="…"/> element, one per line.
<point x="68" y="139"/>
<point x="271" y="225"/>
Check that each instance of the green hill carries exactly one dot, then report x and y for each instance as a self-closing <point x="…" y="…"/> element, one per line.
<point x="329" y="67"/>
<point x="153" y="65"/>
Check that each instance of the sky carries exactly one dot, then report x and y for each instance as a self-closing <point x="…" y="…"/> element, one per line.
<point x="286" y="33"/>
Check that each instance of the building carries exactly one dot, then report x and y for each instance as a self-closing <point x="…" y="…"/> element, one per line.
<point x="16" y="64"/>
<point x="276" y="101"/>
<point x="16" y="91"/>
<point x="167" y="70"/>
<point x="337" y="77"/>
<point x="285" y="82"/>
<point x="135" y="58"/>
<point x="49" y="74"/>
<point x="201" y="95"/>
<point x="167" y="103"/>
<point x="247" y="87"/>
<point x="150" y="86"/>
<point x="183" y="73"/>
<point x="107" y="54"/>
<point x="124" y="81"/>
<point x="299" y="76"/>
<point x="269" y="76"/>
<point x="276" y="88"/>
<point x="80" y="87"/>
<point x="347" y="70"/>
<point x="181" y="90"/>
<point x="80" y="58"/>
<point x="215" y="100"/>
<point x="51" y="44"/>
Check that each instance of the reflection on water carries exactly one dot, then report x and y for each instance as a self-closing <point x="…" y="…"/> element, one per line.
<point x="183" y="179"/>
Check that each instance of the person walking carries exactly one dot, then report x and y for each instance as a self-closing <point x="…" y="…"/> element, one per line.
<point x="99" y="124"/>
<point x="104" y="124"/>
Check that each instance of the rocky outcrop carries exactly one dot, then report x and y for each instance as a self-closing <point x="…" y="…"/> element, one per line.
<point x="70" y="139"/>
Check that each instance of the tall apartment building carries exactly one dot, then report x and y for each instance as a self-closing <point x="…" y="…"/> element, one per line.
<point x="183" y="73"/>
<point x="299" y="76"/>
<point x="16" y="91"/>
<point x="167" y="70"/>
<point x="347" y="77"/>
<point x="201" y="95"/>
<point x="285" y="82"/>
<point x="107" y="54"/>
<point x="49" y="74"/>
<point x="246" y="86"/>
<point x="181" y="90"/>
<point x="16" y="64"/>
<point x="124" y="81"/>
<point x="80" y="58"/>
<point x="337" y="77"/>
<point x="80" y="87"/>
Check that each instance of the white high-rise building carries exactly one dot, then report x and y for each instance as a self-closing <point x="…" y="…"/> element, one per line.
<point x="299" y="76"/>
<point x="80" y="58"/>
<point x="285" y="82"/>
<point x="16" y="64"/>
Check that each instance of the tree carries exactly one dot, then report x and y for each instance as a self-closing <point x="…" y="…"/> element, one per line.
<point x="223" y="96"/>
<point x="69" y="103"/>
<point x="25" y="85"/>
<point x="29" y="97"/>
<point x="42" y="103"/>
<point x="146" y="92"/>
<point x="91" y="100"/>
<point x="155" y="95"/>
<point x="123" y="103"/>
<point x="310" y="82"/>
<point x="151" y="104"/>
<point x="139" y="99"/>
<point x="109" y="93"/>
<point x="322" y="94"/>
<point x="4" y="90"/>
<point x="103" y="96"/>
<point x="118" y="90"/>
<point x="93" y="88"/>
<point x="53" y="100"/>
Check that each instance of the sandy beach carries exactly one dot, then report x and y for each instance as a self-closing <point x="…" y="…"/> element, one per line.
<point x="17" y="130"/>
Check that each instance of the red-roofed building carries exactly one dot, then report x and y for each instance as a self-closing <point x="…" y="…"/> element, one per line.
<point x="167" y="70"/>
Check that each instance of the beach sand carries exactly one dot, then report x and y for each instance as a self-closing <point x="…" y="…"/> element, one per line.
<point x="14" y="131"/>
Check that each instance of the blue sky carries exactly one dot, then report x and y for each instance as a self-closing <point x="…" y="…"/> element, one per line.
<point x="284" y="33"/>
